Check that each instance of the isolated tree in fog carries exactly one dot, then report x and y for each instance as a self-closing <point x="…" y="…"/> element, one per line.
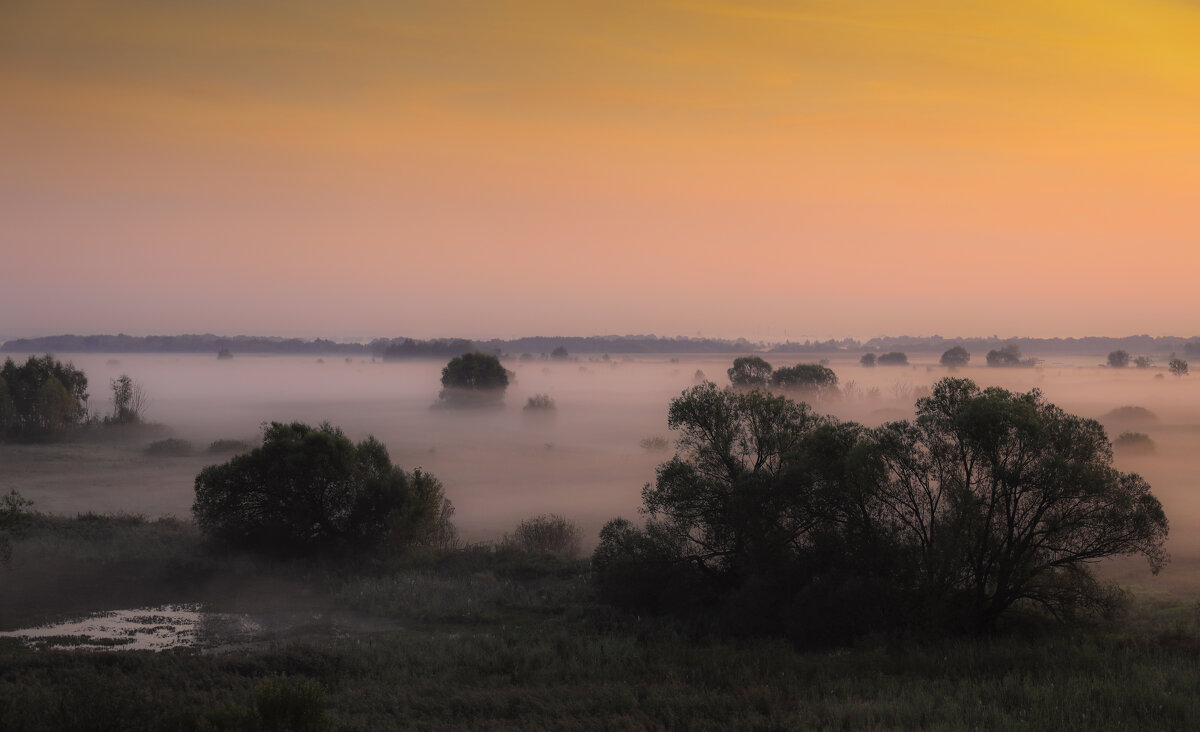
<point x="955" y="357"/>
<point x="1178" y="366"/>
<point x="1143" y="362"/>
<point x="895" y="358"/>
<point x="559" y="353"/>
<point x="807" y="379"/>
<point x="473" y="379"/>
<point x="1118" y="359"/>
<point x="868" y="360"/>
<point x="310" y="489"/>
<point x="749" y="372"/>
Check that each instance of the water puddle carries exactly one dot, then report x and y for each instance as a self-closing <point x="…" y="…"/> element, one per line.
<point x="191" y="626"/>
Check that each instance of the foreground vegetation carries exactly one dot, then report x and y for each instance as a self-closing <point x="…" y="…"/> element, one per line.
<point x="499" y="638"/>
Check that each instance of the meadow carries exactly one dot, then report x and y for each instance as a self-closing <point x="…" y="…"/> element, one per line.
<point x="490" y="637"/>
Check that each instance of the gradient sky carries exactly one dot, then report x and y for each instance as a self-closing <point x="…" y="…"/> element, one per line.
<point x="769" y="169"/>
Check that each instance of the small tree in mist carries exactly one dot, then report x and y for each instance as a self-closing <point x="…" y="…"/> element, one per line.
<point x="956" y="357"/>
<point x="1009" y="355"/>
<point x="12" y="511"/>
<point x="473" y="379"/>
<point x="749" y="372"/>
<point x="310" y="489"/>
<point x="129" y="401"/>
<point x="895" y="358"/>
<point x="1118" y="359"/>
<point x="867" y="360"/>
<point x="1143" y="362"/>
<point x="1178" y="366"/>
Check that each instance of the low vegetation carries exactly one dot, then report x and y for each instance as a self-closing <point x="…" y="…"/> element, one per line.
<point x="547" y="534"/>
<point x="540" y="403"/>
<point x="1134" y="443"/>
<point x="170" y="447"/>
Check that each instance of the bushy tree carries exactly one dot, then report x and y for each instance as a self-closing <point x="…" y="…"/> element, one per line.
<point x="46" y="398"/>
<point x="867" y="360"/>
<point x="809" y="379"/>
<point x="779" y="520"/>
<point x="749" y="372"/>
<point x="1001" y="497"/>
<point x="473" y="379"/>
<point x="1143" y="362"/>
<point x="956" y="357"/>
<point x="1178" y="366"/>
<point x="310" y="489"/>
<point x="1118" y="359"/>
<point x="1009" y="355"/>
<point x="895" y="358"/>
<point x="547" y="534"/>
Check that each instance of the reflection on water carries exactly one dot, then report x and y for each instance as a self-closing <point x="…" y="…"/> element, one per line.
<point x="191" y="626"/>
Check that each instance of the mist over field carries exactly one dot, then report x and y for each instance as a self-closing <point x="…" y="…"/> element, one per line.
<point x="500" y="465"/>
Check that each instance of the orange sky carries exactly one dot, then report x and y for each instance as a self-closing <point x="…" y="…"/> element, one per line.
<point x="825" y="168"/>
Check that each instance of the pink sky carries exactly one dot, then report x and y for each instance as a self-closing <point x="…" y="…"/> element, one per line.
<point x="499" y="169"/>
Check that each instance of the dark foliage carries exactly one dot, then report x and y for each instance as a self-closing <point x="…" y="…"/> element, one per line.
<point x="310" y="490"/>
<point x="1118" y="359"/>
<point x="809" y="379"/>
<point x="547" y="534"/>
<point x="170" y="447"/>
<point x="41" y="399"/>
<point x="473" y="379"/>
<point x="749" y="372"/>
<point x="955" y="357"/>
<point x="772" y="519"/>
<point x="1009" y="355"/>
<point x="867" y="360"/>
<point x="1134" y="443"/>
<point x="895" y="358"/>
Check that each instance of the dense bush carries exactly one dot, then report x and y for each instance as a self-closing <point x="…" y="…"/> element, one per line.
<point x="1118" y="359"/>
<point x="310" y="489"/>
<point x="540" y="403"/>
<point x="749" y="372"/>
<point x="955" y="357"/>
<point x="547" y="534"/>
<point x="895" y="358"/>
<point x="170" y="447"/>
<point x="810" y="380"/>
<point x="867" y="360"/>
<point x="1134" y="443"/>
<point x="473" y="379"/>
<point x="773" y="519"/>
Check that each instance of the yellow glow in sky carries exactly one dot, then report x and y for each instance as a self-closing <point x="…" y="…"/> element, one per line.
<point x="842" y="167"/>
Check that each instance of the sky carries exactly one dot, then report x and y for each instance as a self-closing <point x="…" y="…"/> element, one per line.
<point x="766" y="169"/>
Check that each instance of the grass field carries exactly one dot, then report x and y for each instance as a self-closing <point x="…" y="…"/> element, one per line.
<point x="487" y="638"/>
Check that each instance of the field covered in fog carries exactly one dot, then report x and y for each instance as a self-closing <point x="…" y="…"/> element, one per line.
<point x="584" y="460"/>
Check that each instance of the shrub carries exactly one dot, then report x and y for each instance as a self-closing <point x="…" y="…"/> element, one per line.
<point x="654" y="444"/>
<point x="170" y="447"/>
<point x="222" y="446"/>
<point x="473" y="379"/>
<point x="810" y="379"/>
<point x="895" y="358"/>
<point x="547" y="534"/>
<point x="310" y="489"/>
<point x="540" y="403"/>
<point x="1134" y="443"/>
<point x="12" y="513"/>
<point x="955" y="357"/>
<point x="749" y="372"/>
<point x="867" y="360"/>
<point x="1129" y="416"/>
<point x="1118" y="359"/>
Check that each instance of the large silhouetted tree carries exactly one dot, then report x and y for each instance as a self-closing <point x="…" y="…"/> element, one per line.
<point x="42" y="398"/>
